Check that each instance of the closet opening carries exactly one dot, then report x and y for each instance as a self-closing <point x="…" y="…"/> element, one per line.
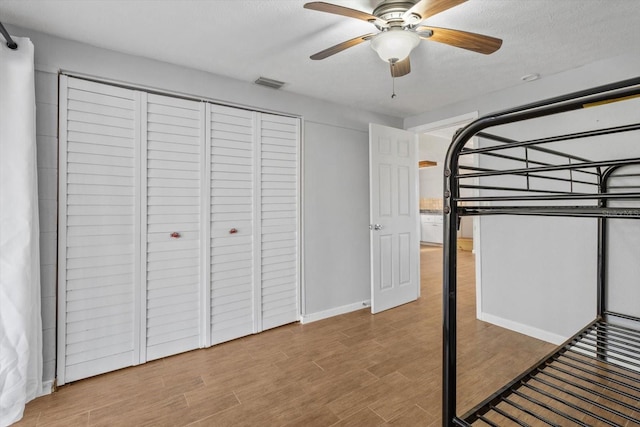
<point x="179" y="225"/>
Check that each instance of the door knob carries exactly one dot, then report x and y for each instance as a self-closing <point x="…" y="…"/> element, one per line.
<point x="377" y="227"/>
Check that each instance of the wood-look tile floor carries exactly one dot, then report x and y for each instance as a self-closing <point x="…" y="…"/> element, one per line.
<point x="351" y="370"/>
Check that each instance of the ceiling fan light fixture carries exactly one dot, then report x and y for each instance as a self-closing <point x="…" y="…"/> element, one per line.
<point x="394" y="45"/>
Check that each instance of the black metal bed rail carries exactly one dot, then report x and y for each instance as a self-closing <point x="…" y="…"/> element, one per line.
<point x="491" y="151"/>
<point x="566" y="167"/>
<point x="527" y="161"/>
<point x="483" y="407"/>
<point x="565" y="211"/>
<point x="514" y="189"/>
<point x="623" y="175"/>
<point x="623" y="186"/>
<point x="534" y="143"/>
<point x="538" y="169"/>
<point x="573" y="384"/>
<point x="629" y="187"/>
<point x="551" y="196"/>
<point x="530" y="175"/>
<point x="545" y="395"/>
<point x="621" y="316"/>
<point x="578" y="364"/>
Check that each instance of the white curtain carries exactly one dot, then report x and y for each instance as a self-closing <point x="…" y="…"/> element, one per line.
<point x="20" y="320"/>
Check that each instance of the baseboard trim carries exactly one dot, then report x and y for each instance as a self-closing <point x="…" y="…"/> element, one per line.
<point x="523" y="329"/>
<point x="314" y="317"/>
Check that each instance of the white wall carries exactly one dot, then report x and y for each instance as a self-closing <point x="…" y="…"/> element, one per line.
<point x="538" y="274"/>
<point x="594" y="74"/>
<point x="340" y="127"/>
<point x="336" y="228"/>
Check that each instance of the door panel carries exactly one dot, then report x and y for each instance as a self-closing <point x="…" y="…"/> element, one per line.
<point x="279" y="138"/>
<point x="395" y="234"/>
<point x="232" y="208"/>
<point x="98" y="223"/>
<point x="173" y="155"/>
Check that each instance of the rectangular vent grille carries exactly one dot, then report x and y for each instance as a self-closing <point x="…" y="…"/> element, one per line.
<point x="275" y="84"/>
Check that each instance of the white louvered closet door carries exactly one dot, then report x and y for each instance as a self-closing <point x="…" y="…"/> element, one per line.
<point x="254" y="221"/>
<point x="279" y="201"/>
<point x="178" y="225"/>
<point x="233" y="144"/>
<point x="99" y="272"/>
<point x="174" y="148"/>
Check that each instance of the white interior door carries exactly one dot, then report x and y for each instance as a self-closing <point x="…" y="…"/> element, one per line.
<point x="395" y="220"/>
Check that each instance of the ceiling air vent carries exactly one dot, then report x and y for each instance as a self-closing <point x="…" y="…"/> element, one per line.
<point x="275" y="84"/>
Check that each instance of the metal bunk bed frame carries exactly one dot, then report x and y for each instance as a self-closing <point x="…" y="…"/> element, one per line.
<point x="603" y="356"/>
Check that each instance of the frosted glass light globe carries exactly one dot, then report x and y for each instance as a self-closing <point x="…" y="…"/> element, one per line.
<point x="394" y="45"/>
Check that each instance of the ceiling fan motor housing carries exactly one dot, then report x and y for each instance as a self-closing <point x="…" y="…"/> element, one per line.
<point x="392" y="11"/>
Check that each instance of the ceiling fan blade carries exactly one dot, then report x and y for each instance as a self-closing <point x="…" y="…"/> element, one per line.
<point x="340" y="10"/>
<point x="427" y="8"/>
<point x="401" y="68"/>
<point x="340" y="47"/>
<point x="462" y="39"/>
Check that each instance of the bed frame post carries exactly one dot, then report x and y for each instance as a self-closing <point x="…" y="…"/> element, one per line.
<point x="602" y="241"/>
<point x="602" y="245"/>
<point x="601" y="347"/>
<point x="449" y="301"/>
<point x="449" y="277"/>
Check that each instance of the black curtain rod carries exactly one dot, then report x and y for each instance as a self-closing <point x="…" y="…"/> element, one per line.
<point x="10" y="43"/>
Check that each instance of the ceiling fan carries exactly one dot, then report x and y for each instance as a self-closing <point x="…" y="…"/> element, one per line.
<point x="399" y="31"/>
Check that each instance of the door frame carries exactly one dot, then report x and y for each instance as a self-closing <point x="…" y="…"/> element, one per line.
<point x="459" y="121"/>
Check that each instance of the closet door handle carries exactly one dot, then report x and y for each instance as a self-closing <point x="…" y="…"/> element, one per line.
<point x="175" y="235"/>
<point x="233" y="231"/>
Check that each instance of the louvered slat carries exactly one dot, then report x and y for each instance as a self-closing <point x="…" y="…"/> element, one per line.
<point x="174" y="141"/>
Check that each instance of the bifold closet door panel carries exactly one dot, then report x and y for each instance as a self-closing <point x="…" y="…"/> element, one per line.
<point x="279" y="201"/>
<point x="233" y="144"/>
<point x="174" y="148"/>
<point x="98" y="262"/>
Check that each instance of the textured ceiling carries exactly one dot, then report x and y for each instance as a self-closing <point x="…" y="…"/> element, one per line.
<point x="274" y="38"/>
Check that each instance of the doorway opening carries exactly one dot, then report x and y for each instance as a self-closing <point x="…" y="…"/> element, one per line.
<point x="433" y="141"/>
